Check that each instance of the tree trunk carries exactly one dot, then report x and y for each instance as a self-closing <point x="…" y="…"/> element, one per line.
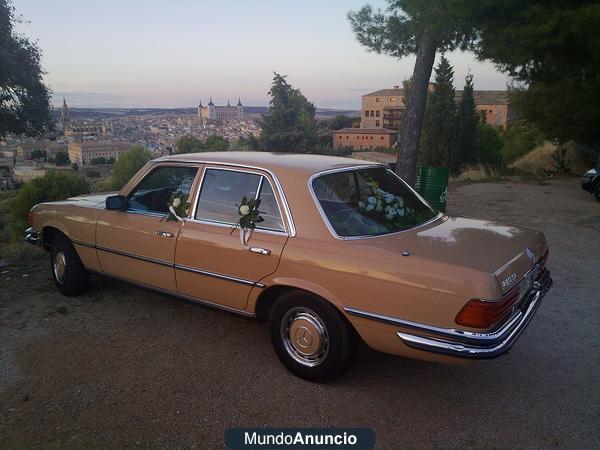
<point x="406" y="164"/>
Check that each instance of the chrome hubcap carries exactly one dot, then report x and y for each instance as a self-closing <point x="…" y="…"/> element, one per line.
<point x="59" y="265"/>
<point x="304" y="336"/>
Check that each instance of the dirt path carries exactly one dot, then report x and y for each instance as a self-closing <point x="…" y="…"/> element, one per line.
<point x="122" y="366"/>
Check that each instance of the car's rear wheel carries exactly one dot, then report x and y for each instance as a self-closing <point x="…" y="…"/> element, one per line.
<point x="68" y="272"/>
<point x="311" y="337"/>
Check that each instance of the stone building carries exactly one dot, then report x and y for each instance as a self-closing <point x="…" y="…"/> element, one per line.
<point x="87" y="128"/>
<point x="215" y="113"/>
<point x="82" y="153"/>
<point x="51" y="148"/>
<point x="385" y="108"/>
<point x="364" y="138"/>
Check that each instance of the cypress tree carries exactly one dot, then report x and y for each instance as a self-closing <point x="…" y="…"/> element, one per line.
<point x="438" y="143"/>
<point x="467" y="120"/>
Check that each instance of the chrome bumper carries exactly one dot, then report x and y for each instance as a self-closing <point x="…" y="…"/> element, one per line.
<point x="32" y="237"/>
<point x="469" y="344"/>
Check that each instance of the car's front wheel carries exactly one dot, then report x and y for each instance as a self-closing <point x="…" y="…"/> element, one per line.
<point x="311" y="337"/>
<point x="68" y="272"/>
<point x="597" y="191"/>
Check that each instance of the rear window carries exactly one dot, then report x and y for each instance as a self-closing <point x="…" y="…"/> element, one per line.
<point x="369" y="202"/>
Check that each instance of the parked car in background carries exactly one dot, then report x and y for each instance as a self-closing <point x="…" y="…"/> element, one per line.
<point x="345" y="250"/>
<point x="590" y="181"/>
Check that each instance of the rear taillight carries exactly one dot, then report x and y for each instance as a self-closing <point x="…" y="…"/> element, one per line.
<point x="30" y="217"/>
<point x="479" y="314"/>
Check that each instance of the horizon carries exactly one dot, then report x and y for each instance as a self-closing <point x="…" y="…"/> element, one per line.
<point x="157" y="56"/>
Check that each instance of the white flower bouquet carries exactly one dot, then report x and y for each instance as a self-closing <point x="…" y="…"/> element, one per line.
<point x="384" y="205"/>
<point x="249" y="217"/>
<point x="178" y="207"/>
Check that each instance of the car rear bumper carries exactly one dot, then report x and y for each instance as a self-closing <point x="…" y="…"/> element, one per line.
<point x="32" y="237"/>
<point x="468" y="344"/>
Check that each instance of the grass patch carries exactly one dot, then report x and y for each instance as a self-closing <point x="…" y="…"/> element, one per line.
<point x="21" y="254"/>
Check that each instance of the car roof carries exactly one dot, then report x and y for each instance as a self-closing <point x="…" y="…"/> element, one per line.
<point x="276" y="162"/>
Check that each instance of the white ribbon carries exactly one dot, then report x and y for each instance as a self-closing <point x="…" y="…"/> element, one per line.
<point x="245" y="235"/>
<point x="172" y="209"/>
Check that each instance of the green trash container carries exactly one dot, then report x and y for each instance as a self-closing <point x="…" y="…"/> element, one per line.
<point x="432" y="184"/>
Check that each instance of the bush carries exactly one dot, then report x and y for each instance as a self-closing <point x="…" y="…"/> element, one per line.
<point x="98" y="161"/>
<point x="55" y="185"/>
<point x="37" y="154"/>
<point x="62" y="159"/>
<point x="128" y="165"/>
<point x="191" y="144"/>
<point x="92" y="174"/>
<point x="519" y="139"/>
<point x="488" y="145"/>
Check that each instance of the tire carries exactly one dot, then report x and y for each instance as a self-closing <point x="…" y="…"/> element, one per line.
<point x="311" y="337"/>
<point x="68" y="272"/>
<point x="597" y="190"/>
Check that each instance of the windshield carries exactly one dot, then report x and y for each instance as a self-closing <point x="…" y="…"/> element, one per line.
<point x="369" y="202"/>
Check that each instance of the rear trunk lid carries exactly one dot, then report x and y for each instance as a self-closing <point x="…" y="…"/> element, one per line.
<point x="506" y="251"/>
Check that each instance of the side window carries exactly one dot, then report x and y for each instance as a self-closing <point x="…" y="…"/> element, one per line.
<point x="153" y="193"/>
<point x="222" y="191"/>
<point x="269" y="209"/>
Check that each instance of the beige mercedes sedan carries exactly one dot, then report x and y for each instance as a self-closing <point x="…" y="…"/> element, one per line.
<point x="343" y="250"/>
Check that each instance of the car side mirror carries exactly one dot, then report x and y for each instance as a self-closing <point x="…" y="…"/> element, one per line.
<point x="116" y="202"/>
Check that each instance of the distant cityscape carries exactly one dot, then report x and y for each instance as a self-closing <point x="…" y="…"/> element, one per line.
<point x="86" y="137"/>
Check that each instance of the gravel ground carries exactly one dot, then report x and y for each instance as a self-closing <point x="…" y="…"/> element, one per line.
<point x="122" y="366"/>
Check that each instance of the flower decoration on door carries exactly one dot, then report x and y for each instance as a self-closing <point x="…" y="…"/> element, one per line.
<point x="178" y="207"/>
<point x="249" y="217"/>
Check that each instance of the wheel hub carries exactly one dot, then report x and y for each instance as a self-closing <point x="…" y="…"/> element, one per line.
<point x="305" y="336"/>
<point x="59" y="265"/>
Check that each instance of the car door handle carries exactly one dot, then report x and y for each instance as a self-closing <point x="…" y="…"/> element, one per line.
<point x="165" y="234"/>
<point x="260" y="251"/>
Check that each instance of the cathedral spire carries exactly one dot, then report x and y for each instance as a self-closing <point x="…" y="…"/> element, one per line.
<point x="66" y="119"/>
<point x="239" y="102"/>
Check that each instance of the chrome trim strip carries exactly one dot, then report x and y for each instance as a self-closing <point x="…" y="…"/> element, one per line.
<point x="473" y="337"/>
<point x="351" y="168"/>
<point x="134" y="256"/>
<point x="182" y="267"/>
<point x="469" y="351"/>
<point x="220" y="276"/>
<point x="177" y="294"/>
<point x="85" y="244"/>
<point x="291" y="230"/>
<point x="232" y="226"/>
<point x="260" y="183"/>
<point x="464" y="343"/>
<point x="144" y="213"/>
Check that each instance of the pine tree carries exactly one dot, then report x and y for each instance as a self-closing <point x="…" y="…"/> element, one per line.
<point x="24" y="97"/>
<point x="438" y="143"/>
<point x="466" y="123"/>
<point x="290" y="124"/>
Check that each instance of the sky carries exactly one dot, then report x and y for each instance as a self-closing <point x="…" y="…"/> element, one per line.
<point x="149" y="53"/>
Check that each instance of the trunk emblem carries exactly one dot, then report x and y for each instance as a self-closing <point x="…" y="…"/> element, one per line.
<point x="509" y="280"/>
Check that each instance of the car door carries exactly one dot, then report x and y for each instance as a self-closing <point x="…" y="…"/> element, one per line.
<point x="138" y="244"/>
<point x="211" y="263"/>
